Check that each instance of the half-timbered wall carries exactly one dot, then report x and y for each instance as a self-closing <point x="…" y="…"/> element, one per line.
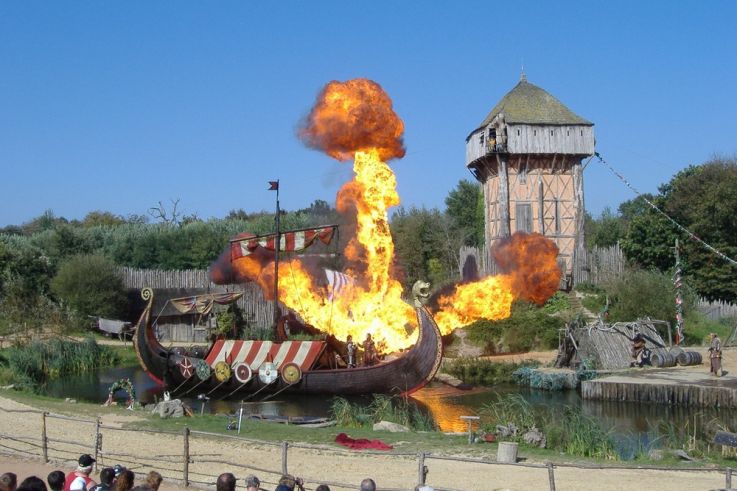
<point x="542" y="199"/>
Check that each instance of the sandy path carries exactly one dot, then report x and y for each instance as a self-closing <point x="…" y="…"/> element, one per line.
<point x="211" y="456"/>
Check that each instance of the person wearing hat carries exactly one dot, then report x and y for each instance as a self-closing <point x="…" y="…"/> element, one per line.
<point x="252" y="483"/>
<point x="80" y="479"/>
<point x="715" y="354"/>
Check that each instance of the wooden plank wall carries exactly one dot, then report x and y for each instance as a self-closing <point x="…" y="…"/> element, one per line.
<point x="598" y="265"/>
<point x="256" y="310"/>
<point x="717" y="310"/>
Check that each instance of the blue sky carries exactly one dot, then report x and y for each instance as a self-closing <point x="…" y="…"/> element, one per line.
<point x="117" y="105"/>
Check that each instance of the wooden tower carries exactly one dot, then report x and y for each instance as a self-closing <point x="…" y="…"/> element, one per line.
<point x="527" y="154"/>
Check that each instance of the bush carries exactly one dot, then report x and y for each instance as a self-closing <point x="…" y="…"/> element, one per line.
<point x="645" y="294"/>
<point x="41" y="360"/>
<point x="382" y="408"/>
<point x="479" y="371"/>
<point x="91" y="285"/>
<point x="529" y="327"/>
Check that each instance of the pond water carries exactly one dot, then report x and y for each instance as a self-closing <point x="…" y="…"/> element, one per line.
<point x="631" y="424"/>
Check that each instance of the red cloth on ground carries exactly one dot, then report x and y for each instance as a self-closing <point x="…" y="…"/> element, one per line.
<point x="361" y="443"/>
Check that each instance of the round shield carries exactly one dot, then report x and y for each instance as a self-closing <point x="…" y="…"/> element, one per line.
<point x="202" y="369"/>
<point x="291" y="373"/>
<point x="186" y="368"/>
<point x="222" y="371"/>
<point x="242" y="372"/>
<point x="267" y="373"/>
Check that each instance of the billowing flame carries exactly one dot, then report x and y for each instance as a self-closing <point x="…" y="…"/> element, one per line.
<point x="528" y="263"/>
<point x="355" y="119"/>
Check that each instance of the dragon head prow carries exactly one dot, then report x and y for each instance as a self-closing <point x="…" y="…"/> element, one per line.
<point x="420" y="292"/>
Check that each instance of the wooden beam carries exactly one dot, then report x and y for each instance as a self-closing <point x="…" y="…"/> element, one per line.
<point x="503" y="195"/>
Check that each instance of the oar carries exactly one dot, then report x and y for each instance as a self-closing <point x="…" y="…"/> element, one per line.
<point x="276" y="393"/>
<point x="234" y="391"/>
<point x="262" y="388"/>
<point x="194" y="387"/>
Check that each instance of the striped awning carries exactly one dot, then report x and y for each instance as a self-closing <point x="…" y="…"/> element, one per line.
<point x="288" y="241"/>
<point x="255" y="353"/>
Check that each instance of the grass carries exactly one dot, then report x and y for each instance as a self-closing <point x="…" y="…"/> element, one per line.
<point x="382" y="408"/>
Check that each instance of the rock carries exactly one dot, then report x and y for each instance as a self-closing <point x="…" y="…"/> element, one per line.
<point x="170" y="409"/>
<point x="506" y="431"/>
<point x="70" y="400"/>
<point x="535" y="437"/>
<point x="683" y="455"/>
<point x="389" y="426"/>
<point x="655" y="454"/>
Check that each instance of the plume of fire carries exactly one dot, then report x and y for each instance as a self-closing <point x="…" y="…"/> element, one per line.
<point x="529" y="270"/>
<point x="355" y="119"/>
<point x="351" y="116"/>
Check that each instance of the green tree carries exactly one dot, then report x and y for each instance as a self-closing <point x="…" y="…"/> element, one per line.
<point x="464" y="206"/>
<point x="91" y="285"/>
<point x="102" y="219"/>
<point x="606" y="230"/>
<point x="425" y="246"/>
<point x="703" y="199"/>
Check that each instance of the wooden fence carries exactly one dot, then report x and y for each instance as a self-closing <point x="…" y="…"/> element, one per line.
<point x="717" y="310"/>
<point x="182" y="457"/>
<point x="596" y="266"/>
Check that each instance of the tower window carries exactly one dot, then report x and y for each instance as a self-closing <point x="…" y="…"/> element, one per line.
<point x="551" y="132"/>
<point x="517" y="132"/>
<point x="557" y="216"/>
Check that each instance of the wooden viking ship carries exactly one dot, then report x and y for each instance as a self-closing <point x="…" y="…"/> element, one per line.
<point x="236" y="367"/>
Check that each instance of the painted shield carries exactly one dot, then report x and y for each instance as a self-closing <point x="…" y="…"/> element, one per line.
<point x="267" y="373"/>
<point x="222" y="371"/>
<point x="186" y="368"/>
<point x="243" y="372"/>
<point x="291" y="373"/>
<point x="202" y="369"/>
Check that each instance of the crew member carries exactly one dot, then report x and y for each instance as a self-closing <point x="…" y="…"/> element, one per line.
<point x="638" y="351"/>
<point x="369" y="351"/>
<point x="350" y="351"/>
<point x="715" y="355"/>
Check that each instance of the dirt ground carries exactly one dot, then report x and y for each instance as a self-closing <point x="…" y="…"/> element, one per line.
<point x="144" y="451"/>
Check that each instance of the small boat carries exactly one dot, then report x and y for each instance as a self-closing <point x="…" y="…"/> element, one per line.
<point x="232" y="368"/>
<point x="290" y="420"/>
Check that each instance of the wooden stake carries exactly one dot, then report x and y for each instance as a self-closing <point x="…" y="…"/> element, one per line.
<point x="44" y="440"/>
<point x="728" y="484"/>
<point x="97" y="440"/>
<point x="421" y="469"/>
<point x="186" y="457"/>
<point x="551" y="476"/>
<point x="284" y="450"/>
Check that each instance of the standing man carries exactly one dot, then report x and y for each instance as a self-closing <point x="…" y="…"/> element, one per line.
<point x="350" y="351"/>
<point x="715" y="355"/>
<point x="369" y="351"/>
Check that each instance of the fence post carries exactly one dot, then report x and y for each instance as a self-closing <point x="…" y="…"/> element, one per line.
<point x="44" y="440"/>
<point x="551" y="477"/>
<point x="97" y="439"/>
<point x="284" y="450"/>
<point x="186" y="457"/>
<point x="421" y="469"/>
<point x="729" y="478"/>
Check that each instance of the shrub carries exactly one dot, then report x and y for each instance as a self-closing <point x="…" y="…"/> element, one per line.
<point x="382" y="408"/>
<point x="91" y="285"/>
<point x="41" y="360"/>
<point x="479" y="371"/>
<point x="642" y="293"/>
<point x="528" y="327"/>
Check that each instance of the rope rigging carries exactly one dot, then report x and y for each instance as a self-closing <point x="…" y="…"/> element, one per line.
<point x="683" y="229"/>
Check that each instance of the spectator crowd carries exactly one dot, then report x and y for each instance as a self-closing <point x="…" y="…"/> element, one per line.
<point x="118" y="478"/>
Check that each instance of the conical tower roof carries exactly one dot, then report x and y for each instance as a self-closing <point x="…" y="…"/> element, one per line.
<point x="529" y="104"/>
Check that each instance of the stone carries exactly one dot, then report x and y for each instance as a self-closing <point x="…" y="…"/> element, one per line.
<point x="169" y="409"/>
<point x="389" y="426"/>
<point x="506" y="431"/>
<point x="535" y="437"/>
<point x="70" y="400"/>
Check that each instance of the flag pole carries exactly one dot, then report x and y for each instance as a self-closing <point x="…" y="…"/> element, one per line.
<point x="277" y="246"/>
